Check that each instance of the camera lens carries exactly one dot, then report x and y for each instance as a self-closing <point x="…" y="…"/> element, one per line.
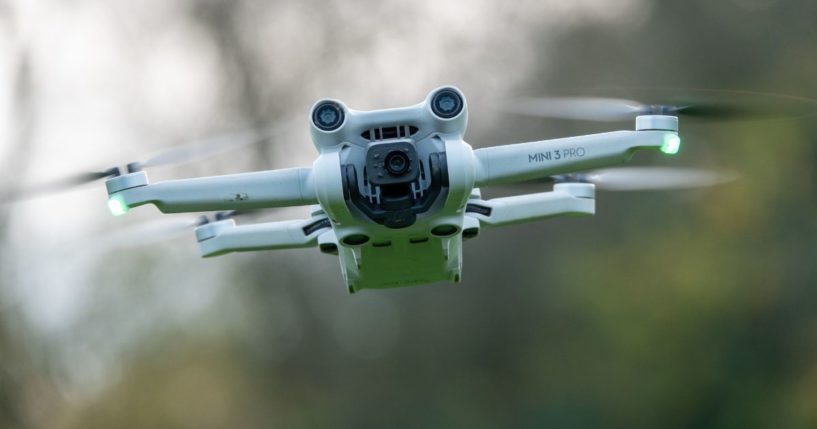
<point x="393" y="163"/>
<point x="397" y="163"/>
<point x="328" y="116"/>
<point x="446" y="103"/>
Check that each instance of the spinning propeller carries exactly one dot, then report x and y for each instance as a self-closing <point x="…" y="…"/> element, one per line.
<point x="165" y="229"/>
<point x="694" y="103"/>
<point x="179" y="155"/>
<point x="647" y="178"/>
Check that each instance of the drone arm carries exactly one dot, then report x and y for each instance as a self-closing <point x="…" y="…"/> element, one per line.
<point x="526" y="161"/>
<point x="566" y="199"/>
<point x="263" y="189"/>
<point x="222" y="237"/>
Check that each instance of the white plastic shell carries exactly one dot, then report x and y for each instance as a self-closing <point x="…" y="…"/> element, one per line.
<point x="396" y="257"/>
<point x="224" y="237"/>
<point x="127" y="181"/>
<point x="568" y="199"/>
<point x="656" y="122"/>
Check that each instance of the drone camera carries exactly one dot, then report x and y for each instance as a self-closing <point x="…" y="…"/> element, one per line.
<point x="398" y="185"/>
<point x="328" y="115"/>
<point x="447" y="103"/>
<point x="392" y="163"/>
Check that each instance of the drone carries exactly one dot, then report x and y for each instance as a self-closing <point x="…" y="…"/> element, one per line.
<point x="394" y="193"/>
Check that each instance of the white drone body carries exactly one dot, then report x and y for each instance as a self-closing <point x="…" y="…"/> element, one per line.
<point x="396" y="191"/>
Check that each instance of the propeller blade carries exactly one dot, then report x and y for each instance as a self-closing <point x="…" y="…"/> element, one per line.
<point x="721" y="104"/>
<point x="53" y="187"/>
<point x="150" y="232"/>
<point x="163" y="229"/>
<point x="710" y="104"/>
<point x="655" y="178"/>
<point x="206" y="148"/>
<point x="577" y="108"/>
<point x="182" y="154"/>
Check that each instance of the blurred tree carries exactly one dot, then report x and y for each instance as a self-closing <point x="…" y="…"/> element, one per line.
<point x="668" y="310"/>
<point x="15" y="368"/>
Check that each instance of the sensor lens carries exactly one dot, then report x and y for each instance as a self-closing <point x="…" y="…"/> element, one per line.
<point x="446" y="103"/>
<point x="397" y="163"/>
<point x="328" y="116"/>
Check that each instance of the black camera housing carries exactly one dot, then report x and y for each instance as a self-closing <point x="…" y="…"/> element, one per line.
<point x="396" y="205"/>
<point x="392" y="163"/>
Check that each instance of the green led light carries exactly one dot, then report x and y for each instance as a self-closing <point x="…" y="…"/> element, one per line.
<point x="117" y="205"/>
<point x="672" y="144"/>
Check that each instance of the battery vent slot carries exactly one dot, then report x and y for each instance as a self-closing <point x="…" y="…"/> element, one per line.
<point x="387" y="133"/>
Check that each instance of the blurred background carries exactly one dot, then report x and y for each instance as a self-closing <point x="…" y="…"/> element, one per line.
<point x="673" y="309"/>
